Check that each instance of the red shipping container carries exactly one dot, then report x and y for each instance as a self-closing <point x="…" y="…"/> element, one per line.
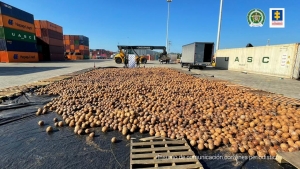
<point x="86" y="48"/>
<point x="67" y="42"/>
<point x="56" y="42"/>
<point x="56" y="49"/>
<point x="41" y="58"/>
<point x="76" y="47"/>
<point x="38" y="33"/>
<point x="71" y="42"/>
<point x="67" y="47"/>
<point x="71" y="37"/>
<point x="76" y="37"/>
<point x="57" y="57"/>
<point x="66" y="37"/>
<point x="72" y="47"/>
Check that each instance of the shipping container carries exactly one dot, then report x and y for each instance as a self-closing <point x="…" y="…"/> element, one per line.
<point x="13" y="34"/>
<point x="56" y="49"/>
<point x="56" y="42"/>
<point x="39" y="48"/>
<point x="66" y="37"/>
<point x="71" y="37"/>
<point x="276" y="60"/>
<point x="57" y="56"/>
<point x="14" y="12"/>
<point x="51" y="41"/>
<point x="197" y="54"/>
<point x="75" y="57"/>
<point x="51" y="34"/>
<point x="37" y="24"/>
<point x="72" y="47"/>
<point x="86" y="57"/>
<point x="38" y="33"/>
<point x="81" y="42"/>
<point x="173" y="57"/>
<point x="14" y="56"/>
<point x="76" y="47"/>
<point x="67" y="47"/>
<point x="19" y="46"/>
<point x="49" y="25"/>
<point x="72" y="42"/>
<point x="76" y="42"/>
<point x="76" y="37"/>
<point x="81" y="47"/>
<point x="81" y="37"/>
<point x="66" y="42"/>
<point x="86" y="48"/>
<point x="9" y="22"/>
<point x="41" y="57"/>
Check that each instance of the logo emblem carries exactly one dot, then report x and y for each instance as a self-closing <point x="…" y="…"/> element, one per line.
<point x="10" y="22"/>
<point x="15" y="56"/>
<point x="277" y="18"/>
<point x="256" y="18"/>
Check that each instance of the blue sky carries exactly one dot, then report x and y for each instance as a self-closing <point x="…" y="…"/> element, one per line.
<point x="144" y="22"/>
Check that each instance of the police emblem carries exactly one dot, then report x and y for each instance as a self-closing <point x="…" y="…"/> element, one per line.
<point x="256" y="18"/>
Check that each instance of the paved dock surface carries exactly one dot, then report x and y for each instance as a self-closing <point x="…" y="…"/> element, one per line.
<point x="12" y="74"/>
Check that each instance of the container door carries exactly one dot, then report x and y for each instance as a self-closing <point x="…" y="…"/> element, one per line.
<point x="208" y="52"/>
<point x="199" y="53"/>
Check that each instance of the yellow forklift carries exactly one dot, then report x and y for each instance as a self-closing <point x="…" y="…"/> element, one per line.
<point x="122" y="56"/>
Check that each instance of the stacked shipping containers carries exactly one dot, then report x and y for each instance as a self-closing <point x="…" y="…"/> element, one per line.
<point x="49" y="41"/>
<point x="17" y="35"/>
<point x="77" y="44"/>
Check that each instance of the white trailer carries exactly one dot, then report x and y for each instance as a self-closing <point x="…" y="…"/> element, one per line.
<point x="197" y="54"/>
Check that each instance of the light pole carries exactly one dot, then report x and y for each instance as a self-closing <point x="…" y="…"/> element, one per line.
<point x="219" y="26"/>
<point x="167" y="46"/>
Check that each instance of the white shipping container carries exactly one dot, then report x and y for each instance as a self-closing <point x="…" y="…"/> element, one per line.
<point x="173" y="57"/>
<point x="197" y="53"/>
<point x="277" y="60"/>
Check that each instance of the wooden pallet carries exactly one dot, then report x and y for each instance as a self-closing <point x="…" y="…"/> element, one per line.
<point x="289" y="157"/>
<point x="162" y="153"/>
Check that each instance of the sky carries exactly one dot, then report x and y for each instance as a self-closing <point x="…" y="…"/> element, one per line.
<point x="108" y="23"/>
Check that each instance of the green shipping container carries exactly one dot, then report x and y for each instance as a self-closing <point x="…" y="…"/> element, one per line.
<point x="86" y="57"/>
<point x="76" y="42"/>
<point x="12" y="34"/>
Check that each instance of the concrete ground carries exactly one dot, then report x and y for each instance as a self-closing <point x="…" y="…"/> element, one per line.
<point x="12" y="74"/>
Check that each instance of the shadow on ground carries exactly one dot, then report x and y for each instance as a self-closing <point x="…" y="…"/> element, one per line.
<point x="9" y="71"/>
<point x="81" y="61"/>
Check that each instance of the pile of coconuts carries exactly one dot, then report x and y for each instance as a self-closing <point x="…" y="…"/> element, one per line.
<point x="167" y="103"/>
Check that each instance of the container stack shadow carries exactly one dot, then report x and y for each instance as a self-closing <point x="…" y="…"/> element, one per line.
<point x="17" y="35"/>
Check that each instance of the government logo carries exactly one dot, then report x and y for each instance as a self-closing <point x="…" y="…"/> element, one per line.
<point x="256" y="18"/>
<point x="277" y="18"/>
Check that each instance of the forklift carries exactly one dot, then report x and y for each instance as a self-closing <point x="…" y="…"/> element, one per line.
<point x="124" y="51"/>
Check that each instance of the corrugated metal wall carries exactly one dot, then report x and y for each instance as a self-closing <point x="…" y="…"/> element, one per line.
<point x="145" y="52"/>
<point x="277" y="60"/>
<point x="188" y="53"/>
<point x="296" y="73"/>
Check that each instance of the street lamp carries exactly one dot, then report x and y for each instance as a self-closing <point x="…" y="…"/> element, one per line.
<point x="219" y="26"/>
<point x="167" y="46"/>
